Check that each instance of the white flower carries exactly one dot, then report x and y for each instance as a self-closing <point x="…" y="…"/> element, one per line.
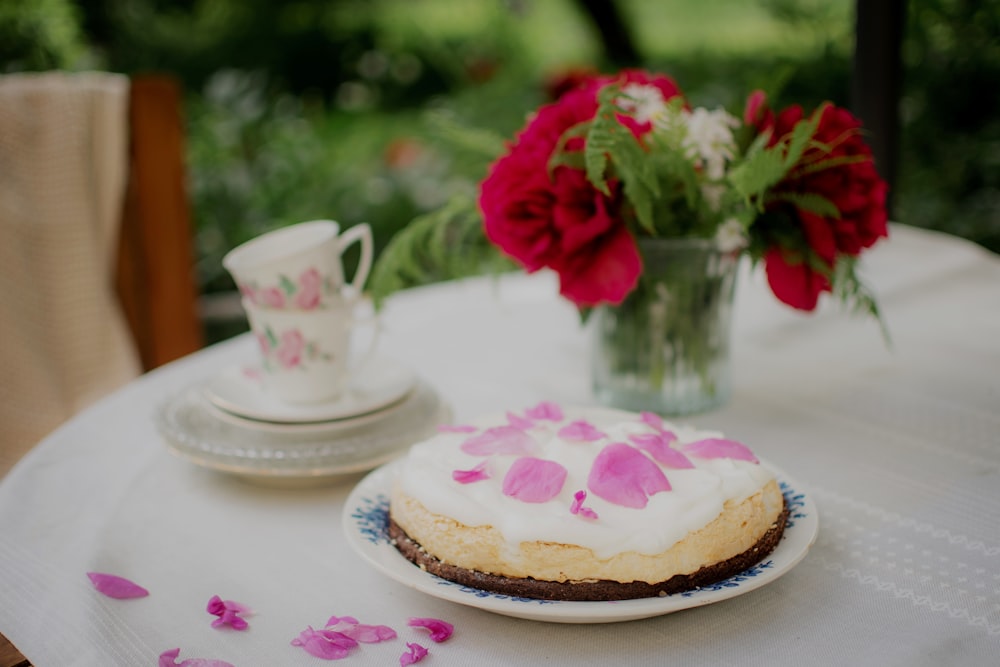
<point x="710" y="140"/>
<point x="713" y="193"/>
<point x="644" y="102"/>
<point x="731" y="236"/>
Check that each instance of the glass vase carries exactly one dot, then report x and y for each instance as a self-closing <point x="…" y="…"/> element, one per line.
<point x="665" y="348"/>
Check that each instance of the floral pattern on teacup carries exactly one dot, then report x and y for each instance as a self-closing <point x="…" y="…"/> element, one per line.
<point x="305" y="293"/>
<point x="289" y="350"/>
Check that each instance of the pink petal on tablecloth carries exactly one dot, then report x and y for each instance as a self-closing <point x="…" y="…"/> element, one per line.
<point x="658" y="446"/>
<point x="416" y="653"/>
<point x="169" y="659"/>
<point x="325" y="644"/>
<point x="623" y="475"/>
<point x="440" y="630"/>
<point x="545" y="410"/>
<point x="720" y="448"/>
<point x="532" y="480"/>
<point x="229" y="613"/>
<point x="499" y="440"/>
<point x="366" y="634"/>
<point x="116" y="587"/>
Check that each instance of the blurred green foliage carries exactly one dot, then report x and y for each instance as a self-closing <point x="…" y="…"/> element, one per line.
<point x="360" y="109"/>
<point x="41" y="35"/>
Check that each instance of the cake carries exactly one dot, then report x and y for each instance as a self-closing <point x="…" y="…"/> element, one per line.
<point x="583" y="504"/>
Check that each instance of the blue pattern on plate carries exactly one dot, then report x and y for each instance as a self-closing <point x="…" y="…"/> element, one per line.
<point x="479" y="593"/>
<point x="373" y="518"/>
<point x="733" y="581"/>
<point x="795" y="502"/>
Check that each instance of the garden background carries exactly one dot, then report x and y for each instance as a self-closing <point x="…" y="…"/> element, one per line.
<point x="385" y="110"/>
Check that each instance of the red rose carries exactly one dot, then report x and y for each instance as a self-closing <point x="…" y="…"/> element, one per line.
<point x="560" y="220"/>
<point x="851" y="183"/>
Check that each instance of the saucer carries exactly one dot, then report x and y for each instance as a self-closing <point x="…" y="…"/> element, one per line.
<point x="240" y="390"/>
<point x="193" y="429"/>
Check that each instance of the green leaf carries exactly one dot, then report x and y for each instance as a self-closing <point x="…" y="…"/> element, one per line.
<point x="810" y="202"/>
<point x="286" y="284"/>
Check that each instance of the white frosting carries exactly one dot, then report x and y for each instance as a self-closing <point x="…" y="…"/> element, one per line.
<point x="696" y="498"/>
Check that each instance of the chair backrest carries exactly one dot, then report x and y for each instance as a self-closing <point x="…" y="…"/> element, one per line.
<point x="156" y="279"/>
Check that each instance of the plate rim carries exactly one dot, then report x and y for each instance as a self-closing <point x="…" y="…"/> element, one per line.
<point x="800" y="535"/>
<point x="308" y="413"/>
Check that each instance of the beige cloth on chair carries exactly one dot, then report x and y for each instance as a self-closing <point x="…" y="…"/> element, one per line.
<point x="64" y="341"/>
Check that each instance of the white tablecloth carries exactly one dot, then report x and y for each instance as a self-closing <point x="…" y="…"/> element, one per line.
<point x="899" y="446"/>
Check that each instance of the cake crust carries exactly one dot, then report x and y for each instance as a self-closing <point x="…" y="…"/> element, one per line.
<point x="599" y="590"/>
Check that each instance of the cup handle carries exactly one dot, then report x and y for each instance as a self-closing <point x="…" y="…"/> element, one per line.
<point x="373" y="321"/>
<point x="361" y="232"/>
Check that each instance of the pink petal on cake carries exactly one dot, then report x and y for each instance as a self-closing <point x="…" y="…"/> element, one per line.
<point x="518" y="421"/>
<point x="581" y="430"/>
<point x="545" y="410"/>
<point x="720" y="448"/>
<point x="415" y="653"/>
<point x="440" y="630"/>
<point x="577" y="507"/>
<point x="658" y="446"/>
<point x="169" y="659"/>
<point x="652" y="419"/>
<point x="116" y="587"/>
<point x="532" y="480"/>
<point x="366" y="634"/>
<point x="325" y="644"/>
<point x="623" y="475"/>
<point x="499" y="440"/>
<point x="456" y="428"/>
<point x="476" y="474"/>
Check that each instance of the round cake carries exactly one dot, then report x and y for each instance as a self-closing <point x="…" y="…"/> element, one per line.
<point x="583" y="504"/>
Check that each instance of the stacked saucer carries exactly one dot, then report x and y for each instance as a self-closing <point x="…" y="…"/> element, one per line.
<point x="231" y="424"/>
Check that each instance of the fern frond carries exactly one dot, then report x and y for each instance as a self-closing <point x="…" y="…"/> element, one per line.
<point x="484" y="143"/>
<point x="798" y="140"/>
<point x="856" y="295"/>
<point x="445" y="244"/>
<point x="760" y="171"/>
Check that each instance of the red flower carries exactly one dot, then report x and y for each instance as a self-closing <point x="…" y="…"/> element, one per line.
<point x="559" y="220"/>
<point x="850" y="182"/>
<point x="560" y="83"/>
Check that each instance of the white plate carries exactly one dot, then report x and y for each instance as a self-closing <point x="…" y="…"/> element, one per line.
<point x="240" y="390"/>
<point x="293" y="428"/>
<point x="366" y="525"/>
<point x="192" y="429"/>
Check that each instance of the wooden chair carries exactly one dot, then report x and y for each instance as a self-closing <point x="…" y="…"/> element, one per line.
<point x="156" y="280"/>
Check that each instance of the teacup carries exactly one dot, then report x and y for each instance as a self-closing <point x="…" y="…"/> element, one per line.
<point x="308" y="356"/>
<point x="300" y="267"/>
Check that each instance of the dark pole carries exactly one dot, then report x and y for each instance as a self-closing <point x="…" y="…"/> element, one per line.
<point x="876" y="83"/>
<point x="616" y="38"/>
